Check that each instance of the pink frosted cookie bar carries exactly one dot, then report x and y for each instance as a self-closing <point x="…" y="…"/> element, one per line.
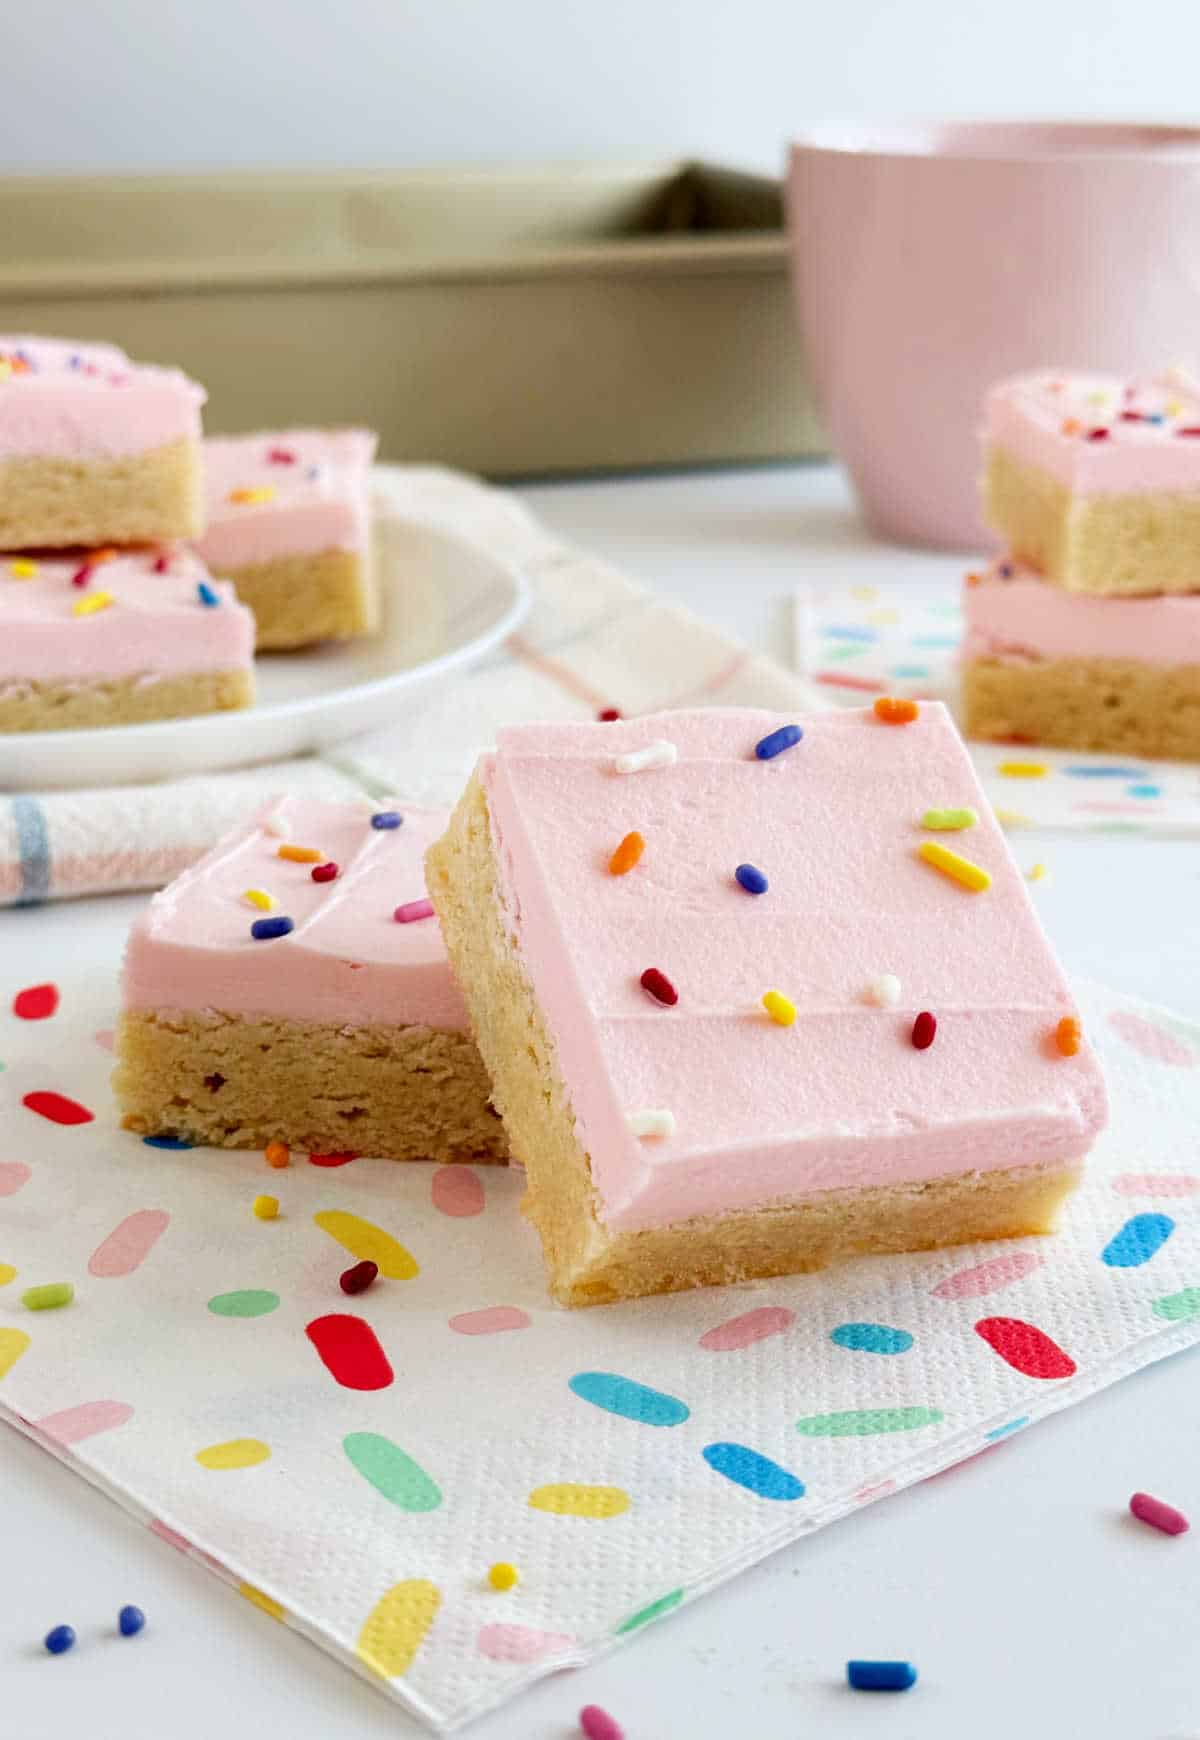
<point x="1049" y="666"/>
<point x="1094" y="480"/>
<point x="118" y="637"/>
<point x="293" y="986"/>
<point x="712" y="1065"/>
<point x="94" y="448"/>
<point x="289" y="524"/>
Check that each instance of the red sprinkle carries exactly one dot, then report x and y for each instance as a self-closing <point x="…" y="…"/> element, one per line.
<point x="358" y="1277"/>
<point x="81" y="576"/>
<point x="1158" y="1515"/>
<point x="412" y="910"/>
<point x="281" y="456"/>
<point x="1131" y="416"/>
<point x="1188" y="429"/>
<point x="608" y="714"/>
<point x="659" y="986"/>
<point x="1097" y="434"/>
<point x="324" y="872"/>
<point x="597" y="1724"/>
<point x="924" y="1028"/>
<point x="162" y="563"/>
<point x="331" y="1159"/>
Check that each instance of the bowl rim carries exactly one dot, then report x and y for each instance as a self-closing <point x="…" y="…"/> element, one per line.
<point x="948" y="139"/>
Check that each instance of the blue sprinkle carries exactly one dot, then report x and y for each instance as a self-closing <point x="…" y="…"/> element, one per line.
<point x="1005" y="570"/>
<point x="1005" y="1430"/>
<point x="758" y="1474"/>
<point x="881" y="1676"/>
<point x="777" y="741"/>
<point x="909" y="671"/>
<point x="871" y="1338"/>
<point x="865" y="634"/>
<point x="166" y="1142"/>
<point x="130" y="1621"/>
<point x="1103" y="772"/>
<point x="752" y="880"/>
<point x="264" y="929"/>
<point x="386" y="819"/>
<point x="1138" y="1240"/>
<point x="1153" y="417"/>
<point x="1145" y="791"/>
<point x="632" y="1401"/>
<point x="207" y="595"/>
<point x="60" y="1640"/>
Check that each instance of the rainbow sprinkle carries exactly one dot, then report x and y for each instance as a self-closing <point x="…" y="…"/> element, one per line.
<point x="1068" y="1036"/>
<point x="924" y="1030"/>
<point x="23" y="569"/>
<point x="266" y="1207"/>
<point x="413" y="910"/>
<point x="301" y="854"/>
<point x="653" y="1121"/>
<point x="1023" y="769"/>
<point x="781" y="1009"/>
<point x="895" y="710"/>
<point x="658" y="986"/>
<point x="883" y="992"/>
<point x="252" y="497"/>
<point x="267" y="929"/>
<point x="206" y="594"/>
<point x="92" y="603"/>
<point x="384" y="820"/>
<point x="960" y="870"/>
<point x="503" y="1576"/>
<point x="949" y="821"/>
<point x="751" y="879"/>
<point x="660" y="753"/>
<point x="260" y="898"/>
<point x="787" y="736"/>
<point x="627" y="854"/>
<point x="325" y="872"/>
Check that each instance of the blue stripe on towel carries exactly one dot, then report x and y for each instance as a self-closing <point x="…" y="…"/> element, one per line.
<point x="33" y="851"/>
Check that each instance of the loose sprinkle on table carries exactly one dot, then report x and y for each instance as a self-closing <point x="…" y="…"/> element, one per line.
<point x="252" y="497"/>
<point x="751" y="879"/>
<point x="325" y="872"/>
<point x="260" y="898"/>
<point x="207" y="596"/>
<point x="301" y="854"/>
<point x="503" y="1576"/>
<point x="960" y="870"/>
<point x="1068" y="1036"/>
<point x="881" y="1676"/>
<point x="1023" y="769"/>
<point x="23" y="569"/>
<point x="775" y="742"/>
<point x="1158" y="1515"/>
<point x="651" y="1122"/>
<point x="60" y="1640"/>
<point x="658" y="986"/>
<point x="413" y="910"/>
<point x="924" y="1030"/>
<point x="278" y="1155"/>
<point x="884" y="991"/>
<point x="949" y="821"/>
<point x="49" y="1297"/>
<point x="657" y="754"/>
<point x="597" y="1724"/>
<point x="92" y="603"/>
<point x="267" y="929"/>
<point x="626" y="855"/>
<point x="266" y="1207"/>
<point x="894" y="710"/>
<point x="384" y="819"/>
<point x="358" y="1277"/>
<point x="1037" y="872"/>
<point x="781" y="1009"/>
<point x="131" y="1620"/>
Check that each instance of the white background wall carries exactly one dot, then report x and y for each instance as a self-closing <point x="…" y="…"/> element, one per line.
<point x="145" y="84"/>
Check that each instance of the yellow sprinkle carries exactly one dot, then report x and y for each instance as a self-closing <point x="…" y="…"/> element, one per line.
<point x="1173" y="408"/>
<point x="6" y="368"/>
<point x="266" y="1207"/>
<point x="300" y="854"/>
<point x="948" y="821"/>
<point x="90" y="603"/>
<point x="249" y="497"/>
<point x="779" y="1008"/>
<point x="7" y="1274"/>
<point x="958" y="869"/>
<point x="258" y="898"/>
<point x="1012" y="819"/>
<point x="503" y="1576"/>
<point x="1023" y="769"/>
<point x="23" y="569"/>
<point x="1037" y="872"/>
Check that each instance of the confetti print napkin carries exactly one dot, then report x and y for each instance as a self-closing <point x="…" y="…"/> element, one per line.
<point x="353" y="1466"/>
<point x="854" y="642"/>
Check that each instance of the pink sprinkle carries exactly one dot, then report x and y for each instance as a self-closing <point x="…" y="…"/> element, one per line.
<point x="81" y="576"/>
<point x="412" y="910"/>
<point x="1158" y="1515"/>
<point x="597" y="1724"/>
<point x="281" y="456"/>
<point x="161" y="564"/>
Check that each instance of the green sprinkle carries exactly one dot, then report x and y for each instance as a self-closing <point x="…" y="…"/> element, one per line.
<point x="949" y="821"/>
<point x="48" y="1297"/>
<point x="656" y="1609"/>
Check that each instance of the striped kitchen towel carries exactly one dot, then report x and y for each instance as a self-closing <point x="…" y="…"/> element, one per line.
<point x="594" y="639"/>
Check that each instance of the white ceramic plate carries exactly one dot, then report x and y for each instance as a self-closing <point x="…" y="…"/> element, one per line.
<point x="444" y="602"/>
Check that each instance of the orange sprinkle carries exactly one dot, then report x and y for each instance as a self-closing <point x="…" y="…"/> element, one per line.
<point x="106" y="555"/>
<point x="300" y="855"/>
<point x="893" y="711"/>
<point x="247" y="497"/>
<point x="1070" y="426"/>
<point x="1068" y="1036"/>
<point x="974" y="579"/>
<point x="278" y="1154"/>
<point x="626" y="854"/>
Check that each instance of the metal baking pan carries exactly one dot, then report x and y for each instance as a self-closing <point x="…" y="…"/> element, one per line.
<point x="516" y="322"/>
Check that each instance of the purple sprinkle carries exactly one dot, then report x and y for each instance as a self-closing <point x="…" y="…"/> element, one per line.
<point x="386" y="819"/>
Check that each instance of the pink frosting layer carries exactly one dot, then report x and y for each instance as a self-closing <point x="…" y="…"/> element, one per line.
<point x="156" y="625"/>
<point x="1100" y="434"/>
<point x="64" y="400"/>
<point x="1012" y="613"/>
<point x="347" y="960"/>
<point x="765" y="1112"/>
<point x="317" y="480"/>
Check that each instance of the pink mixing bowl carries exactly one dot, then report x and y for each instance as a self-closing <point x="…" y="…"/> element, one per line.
<point x="930" y="261"/>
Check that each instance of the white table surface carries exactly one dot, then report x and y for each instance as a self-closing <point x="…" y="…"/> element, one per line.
<point x="1029" y="1602"/>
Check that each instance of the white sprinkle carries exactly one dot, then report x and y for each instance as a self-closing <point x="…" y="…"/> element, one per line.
<point x="651" y="1122"/>
<point x="884" y="991"/>
<point x="657" y="754"/>
<point x="274" y="823"/>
